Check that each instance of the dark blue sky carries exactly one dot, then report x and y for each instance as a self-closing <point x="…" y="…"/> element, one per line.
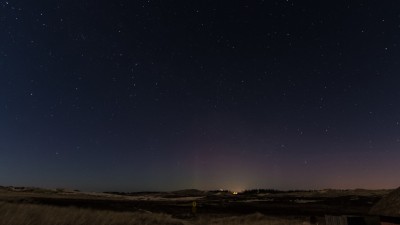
<point x="163" y="95"/>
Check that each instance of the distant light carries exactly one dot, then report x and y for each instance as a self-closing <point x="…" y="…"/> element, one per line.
<point x="235" y="193"/>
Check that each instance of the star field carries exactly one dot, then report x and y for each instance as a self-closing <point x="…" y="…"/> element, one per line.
<point x="166" y="95"/>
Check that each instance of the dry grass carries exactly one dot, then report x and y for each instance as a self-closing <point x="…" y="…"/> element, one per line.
<point x="388" y="205"/>
<point x="31" y="214"/>
<point x="253" y="219"/>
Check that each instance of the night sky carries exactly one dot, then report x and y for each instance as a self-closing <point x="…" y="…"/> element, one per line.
<point x="165" y="95"/>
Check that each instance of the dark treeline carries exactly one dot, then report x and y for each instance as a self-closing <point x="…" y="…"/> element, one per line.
<point x="131" y="193"/>
<point x="272" y="191"/>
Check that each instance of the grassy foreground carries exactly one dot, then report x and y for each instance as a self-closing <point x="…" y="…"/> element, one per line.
<point x="31" y="214"/>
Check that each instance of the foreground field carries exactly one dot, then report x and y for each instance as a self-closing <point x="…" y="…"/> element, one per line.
<point x="30" y="214"/>
<point x="32" y="206"/>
